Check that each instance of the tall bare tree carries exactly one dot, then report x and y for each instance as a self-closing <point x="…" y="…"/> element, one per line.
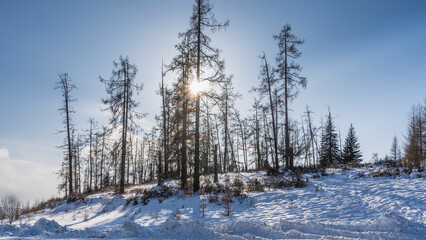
<point x="165" y="130"/>
<point x="266" y="87"/>
<point x="120" y="89"/>
<point x="65" y="85"/>
<point x="182" y="64"/>
<point x="288" y="72"/>
<point x="201" y="21"/>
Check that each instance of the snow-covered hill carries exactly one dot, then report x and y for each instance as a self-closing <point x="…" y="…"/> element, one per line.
<point x="344" y="204"/>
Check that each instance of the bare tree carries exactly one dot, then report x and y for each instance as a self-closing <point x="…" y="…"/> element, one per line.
<point x="65" y="85"/>
<point x="395" y="151"/>
<point x="165" y="130"/>
<point x="289" y="73"/>
<point x="266" y="87"/>
<point x="120" y="89"/>
<point x="10" y="207"/>
<point x="203" y="19"/>
<point x="91" y="133"/>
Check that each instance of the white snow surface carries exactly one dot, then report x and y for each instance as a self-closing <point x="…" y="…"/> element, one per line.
<point x="337" y="206"/>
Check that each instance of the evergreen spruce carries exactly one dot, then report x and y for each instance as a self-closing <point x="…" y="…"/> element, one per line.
<point x="329" y="144"/>
<point x="351" y="151"/>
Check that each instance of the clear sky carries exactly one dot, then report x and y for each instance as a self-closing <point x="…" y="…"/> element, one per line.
<point x="364" y="59"/>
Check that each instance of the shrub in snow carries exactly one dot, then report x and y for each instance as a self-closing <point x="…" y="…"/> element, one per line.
<point x="360" y="175"/>
<point x="133" y="200"/>
<point x="86" y="214"/>
<point x="214" y="198"/>
<point x="316" y="176"/>
<point x="177" y="215"/>
<point x="272" y="171"/>
<point x="53" y="203"/>
<point x="323" y="172"/>
<point x="227" y="202"/>
<point x="209" y="187"/>
<point x="76" y="197"/>
<point x="252" y="202"/>
<point x="299" y="183"/>
<point x="237" y="186"/>
<point x="254" y="185"/>
<point x="242" y="198"/>
<point x="203" y="206"/>
<point x="10" y="208"/>
<point x="318" y="188"/>
<point x="285" y="182"/>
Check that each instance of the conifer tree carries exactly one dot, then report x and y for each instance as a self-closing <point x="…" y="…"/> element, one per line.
<point x="329" y="144"/>
<point x="288" y="72"/>
<point x="201" y="21"/>
<point x="120" y="89"/>
<point x="351" y="151"/>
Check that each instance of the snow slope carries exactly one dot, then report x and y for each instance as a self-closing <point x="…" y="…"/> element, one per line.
<point x="338" y="206"/>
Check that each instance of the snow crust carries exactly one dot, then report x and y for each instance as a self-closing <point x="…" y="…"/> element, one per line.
<point x="342" y="205"/>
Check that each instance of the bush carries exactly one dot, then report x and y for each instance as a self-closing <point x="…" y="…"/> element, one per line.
<point x="345" y="168"/>
<point x="203" y="206"/>
<point x="177" y="215"/>
<point x="236" y="186"/>
<point x="37" y="206"/>
<point x="254" y="185"/>
<point x="298" y="183"/>
<point x="227" y="202"/>
<point x="284" y="182"/>
<point x="385" y="172"/>
<point x="213" y="198"/>
<point x="10" y="208"/>
<point x="209" y="187"/>
<point x="360" y="175"/>
<point x="76" y="197"/>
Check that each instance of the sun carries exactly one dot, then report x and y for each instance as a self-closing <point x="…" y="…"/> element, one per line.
<point x="196" y="87"/>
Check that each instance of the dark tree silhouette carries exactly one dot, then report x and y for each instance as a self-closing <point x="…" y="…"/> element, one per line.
<point x="182" y="64"/>
<point x="414" y="152"/>
<point x="203" y="19"/>
<point x="329" y="147"/>
<point x="351" y="150"/>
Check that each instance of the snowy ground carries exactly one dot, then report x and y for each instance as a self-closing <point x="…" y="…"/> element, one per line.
<point x="338" y="206"/>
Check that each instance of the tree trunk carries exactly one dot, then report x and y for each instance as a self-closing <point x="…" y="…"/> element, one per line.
<point x="164" y="124"/>
<point x="197" y="110"/>
<point x="159" y="169"/>
<point x="183" y="181"/>
<point x="272" y="114"/>
<point x="215" y="179"/>
<point x="124" y="131"/>
<point x="288" y="152"/>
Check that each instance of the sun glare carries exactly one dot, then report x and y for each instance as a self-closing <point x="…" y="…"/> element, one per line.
<point x="196" y="87"/>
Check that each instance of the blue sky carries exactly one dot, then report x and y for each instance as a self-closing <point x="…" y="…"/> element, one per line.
<point x="364" y="59"/>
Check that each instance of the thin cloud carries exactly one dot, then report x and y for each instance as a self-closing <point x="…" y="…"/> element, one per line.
<point x="28" y="180"/>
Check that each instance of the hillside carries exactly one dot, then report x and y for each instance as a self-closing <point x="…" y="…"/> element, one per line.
<point x="350" y="204"/>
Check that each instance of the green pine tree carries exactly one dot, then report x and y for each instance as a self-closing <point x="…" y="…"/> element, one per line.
<point x="351" y="150"/>
<point x="329" y="145"/>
